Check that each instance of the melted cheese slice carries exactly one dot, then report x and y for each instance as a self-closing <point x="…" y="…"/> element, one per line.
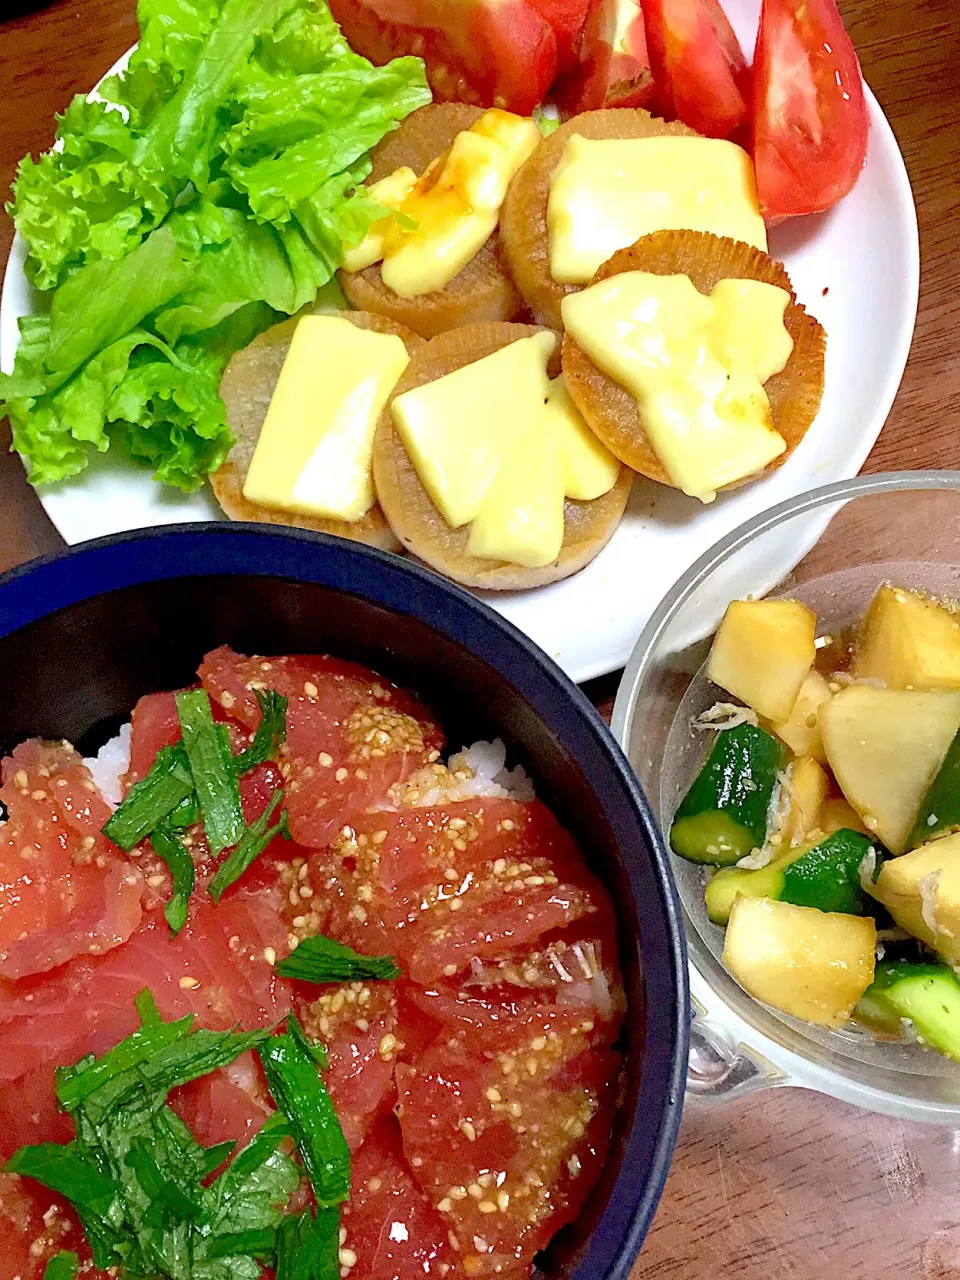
<point x="451" y="211"/>
<point x="696" y="366"/>
<point x="499" y="446"/>
<point x="391" y="193"/>
<point x="606" y="193"/>
<point x="314" y="454"/>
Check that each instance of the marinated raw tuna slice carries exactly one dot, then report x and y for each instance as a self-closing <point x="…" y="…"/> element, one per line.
<point x="219" y="967"/>
<point x="358" y="1024"/>
<point x="35" y="1225"/>
<point x="389" y="1226"/>
<point x="154" y="724"/>
<point x="65" y="891"/>
<point x="229" y="1105"/>
<point x="445" y="887"/>
<point x="350" y="734"/>
<point x="506" y="1128"/>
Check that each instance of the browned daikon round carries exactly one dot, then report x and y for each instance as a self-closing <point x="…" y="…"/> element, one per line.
<point x="246" y="387"/>
<point x="523" y="219"/>
<point x="418" y="524"/>
<point x="794" y="393"/>
<point x="483" y="290"/>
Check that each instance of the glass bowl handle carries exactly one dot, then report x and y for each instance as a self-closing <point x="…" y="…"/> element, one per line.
<point x="720" y="1067"/>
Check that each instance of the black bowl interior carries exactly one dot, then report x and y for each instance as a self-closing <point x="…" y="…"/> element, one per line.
<point x="83" y="636"/>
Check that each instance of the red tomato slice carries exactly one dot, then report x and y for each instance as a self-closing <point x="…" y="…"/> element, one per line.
<point x="613" y="67"/>
<point x="65" y="890"/>
<point x="506" y="1128"/>
<point x="351" y="735"/>
<point x="495" y="53"/>
<point x="567" y="17"/>
<point x="698" y="65"/>
<point x="810" y="120"/>
<point x="389" y="1224"/>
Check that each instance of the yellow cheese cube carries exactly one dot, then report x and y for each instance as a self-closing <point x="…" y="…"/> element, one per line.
<point x="921" y="890"/>
<point x="909" y="642"/>
<point x="589" y="469"/>
<point x="314" y="454"/>
<point x="607" y="193"/>
<point x="808" y="963"/>
<point x="456" y="430"/>
<point x="762" y="653"/>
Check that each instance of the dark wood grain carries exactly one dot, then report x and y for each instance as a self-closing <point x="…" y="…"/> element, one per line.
<point x="783" y="1185"/>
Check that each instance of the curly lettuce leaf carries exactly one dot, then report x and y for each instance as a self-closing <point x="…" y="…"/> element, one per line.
<point x="210" y="194"/>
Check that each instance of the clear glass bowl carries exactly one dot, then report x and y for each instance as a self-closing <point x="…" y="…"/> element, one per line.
<point x="845" y="539"/>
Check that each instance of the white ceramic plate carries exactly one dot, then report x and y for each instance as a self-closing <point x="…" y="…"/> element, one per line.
<point x="856" y="268"/>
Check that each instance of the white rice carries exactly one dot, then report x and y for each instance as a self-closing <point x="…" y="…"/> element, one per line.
<point x="109" y="765"/>
<point x="477" y="770"/>
<point x="487" y="761"/>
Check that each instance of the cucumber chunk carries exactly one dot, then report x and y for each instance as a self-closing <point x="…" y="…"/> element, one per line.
<point x="939" y="813"/>
<point x="927" y="994"/>
<point x="828" y="876"/>
<point x="724" y="814"/>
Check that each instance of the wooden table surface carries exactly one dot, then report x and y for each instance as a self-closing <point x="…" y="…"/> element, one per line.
<point x="786" y="1184"/>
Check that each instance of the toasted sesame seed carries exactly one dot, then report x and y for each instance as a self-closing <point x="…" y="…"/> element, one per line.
<point x="475" y="1190"/>
<point x="155" y="881"/>
<point x="487" y="1206"/>
<point x="343" y="1235"/>
<point x="503" y="1200"/>
<point x="348" y="1258"/>
<point x="468" y="1130"/>
<point x="270" y="955"/>
<point x="493" y="1095"/>
<point x="187" y="984"/>
<point x="325" y="759"/>
<point x="445" y="1205"/>
<point x="573" y="1165"/>
<point x="538" y="1044"/>
<point x="387" y="1046"/>
<point x="449" y="970"/>
<point x="311" y="690"/>
<point x="227" y="699"/>
<point x="456" y="904"/>
<point x="21" y="779"/>
<point x="374" y="1185"/>
<point x="341" y="774"/>
<point x="39" y="794"/>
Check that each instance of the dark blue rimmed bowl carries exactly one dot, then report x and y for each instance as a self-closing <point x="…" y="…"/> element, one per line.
<point x="84" y="634"/>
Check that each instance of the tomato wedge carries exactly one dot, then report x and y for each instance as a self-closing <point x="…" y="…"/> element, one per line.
<point x="810" y="120"/>
<point x="698" y="65"/>
<point x="613" y="69"/>
<point x="495" y="53"/>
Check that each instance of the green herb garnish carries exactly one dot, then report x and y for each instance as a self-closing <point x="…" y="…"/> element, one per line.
<point x="167" y="847"/>
<point x="211" y="764"/>
<point x="137" y="1177"/>
<point x="62" y="1266"/>
<point x="320" y="959"/>
<point x="168" y="785"/>
<point x="308" y="1246"/>
<point x="270" y="735"/>
<point x="255" y="839"/>
<point x="300" y="1093"/>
